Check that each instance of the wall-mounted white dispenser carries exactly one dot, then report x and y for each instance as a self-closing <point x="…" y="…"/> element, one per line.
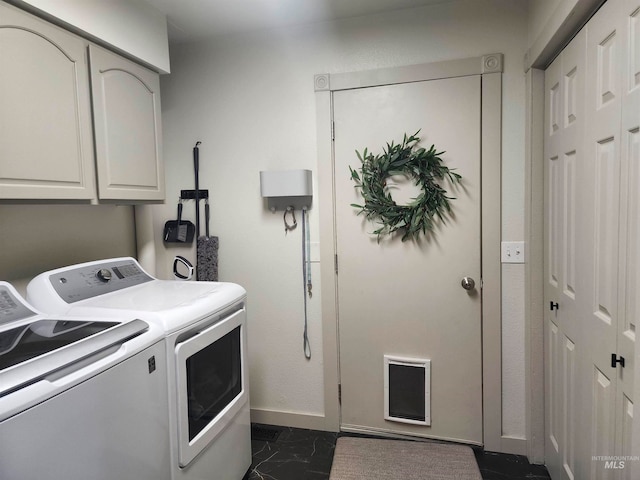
<point x="288" y="188"/>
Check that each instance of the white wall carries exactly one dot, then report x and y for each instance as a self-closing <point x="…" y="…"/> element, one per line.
<point x="250" y="100"/>
<point x="130" y="26"/>
<point x="35" y="238"/>
<point x="541" y="14"/>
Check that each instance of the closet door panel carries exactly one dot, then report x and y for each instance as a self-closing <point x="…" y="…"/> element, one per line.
<point x="629" y="276"/>
<point x="630" y="187"/>
<point x="600" y="221"/>
<point x="626" y="442"/>
<point x="603" y="424"/>
<point x="564" y="157"/>
<point x="552" y="260"/>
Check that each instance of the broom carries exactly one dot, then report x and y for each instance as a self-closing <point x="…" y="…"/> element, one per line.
<point x="207" y="246"/>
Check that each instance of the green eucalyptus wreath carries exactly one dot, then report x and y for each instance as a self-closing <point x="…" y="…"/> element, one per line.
<point x="425" y="167"/>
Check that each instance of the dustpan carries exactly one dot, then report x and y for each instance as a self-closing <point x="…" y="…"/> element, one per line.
<point x="178" y="231"/>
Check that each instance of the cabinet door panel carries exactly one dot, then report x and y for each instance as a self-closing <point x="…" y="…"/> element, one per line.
<point x="45" y="125"/>
<point x="126" y="107"/>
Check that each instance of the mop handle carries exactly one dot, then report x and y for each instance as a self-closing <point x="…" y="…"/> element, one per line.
<point x="206" y="215"/>
<point x="196" y="167"/>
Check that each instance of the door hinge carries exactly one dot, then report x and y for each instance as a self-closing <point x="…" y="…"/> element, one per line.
<point x="333" y="130"/>
<point x="336" y="262"/>
<point x="615" y="359"/>
<point x="340" y="393"/>
<point x="553" y="306"/>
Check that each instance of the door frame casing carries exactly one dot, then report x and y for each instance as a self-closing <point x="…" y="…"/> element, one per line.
<point x="490" y="68"/>
<point x="534" y="278"/>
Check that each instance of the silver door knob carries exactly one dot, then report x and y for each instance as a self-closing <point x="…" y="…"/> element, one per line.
<point x="468" y="283"/>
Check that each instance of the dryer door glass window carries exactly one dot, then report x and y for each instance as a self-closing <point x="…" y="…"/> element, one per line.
<point x="214" y="380"/>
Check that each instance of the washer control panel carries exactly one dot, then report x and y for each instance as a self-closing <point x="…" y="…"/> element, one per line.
<point x="12" y="307"/>
<point x="91" y="281"/>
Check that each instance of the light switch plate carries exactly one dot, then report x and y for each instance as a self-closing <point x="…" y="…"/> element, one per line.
<point x="512" y="252"/>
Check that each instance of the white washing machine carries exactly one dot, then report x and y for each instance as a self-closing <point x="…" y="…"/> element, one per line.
<point x="80" y="397"/>
<point x="206" y="342"/>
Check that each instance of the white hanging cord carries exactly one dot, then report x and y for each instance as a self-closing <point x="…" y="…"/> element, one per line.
<point x="305" y="220"/>
<point x="288" y="227"/>
<point x="306" y="346"/>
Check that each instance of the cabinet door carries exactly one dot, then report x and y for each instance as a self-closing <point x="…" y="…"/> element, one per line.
<point x="46" y="149"/>
<point x="128" y="132"/>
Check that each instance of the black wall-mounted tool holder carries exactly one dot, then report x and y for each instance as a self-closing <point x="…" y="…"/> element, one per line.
<point x="191" y="194"/>
<point x="180" y="231"/>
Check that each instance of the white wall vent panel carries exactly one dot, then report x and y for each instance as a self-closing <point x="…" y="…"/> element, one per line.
<point x="407" y="390"/>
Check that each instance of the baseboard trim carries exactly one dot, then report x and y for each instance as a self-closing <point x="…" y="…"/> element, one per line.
<point x="513" y="445"/>
<point x="291" y="419"/>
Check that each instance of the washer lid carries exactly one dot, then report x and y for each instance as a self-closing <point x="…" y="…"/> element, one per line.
<point x="22" y="343"/>
<point x="31" y="351"/>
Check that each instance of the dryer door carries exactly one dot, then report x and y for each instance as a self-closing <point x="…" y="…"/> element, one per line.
<point x="212" y="383"/>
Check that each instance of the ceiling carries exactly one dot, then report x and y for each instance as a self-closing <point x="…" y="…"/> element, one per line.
<point x="190" y="20"/>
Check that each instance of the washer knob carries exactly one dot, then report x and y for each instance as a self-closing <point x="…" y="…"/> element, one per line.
<point x="104" y="275"/>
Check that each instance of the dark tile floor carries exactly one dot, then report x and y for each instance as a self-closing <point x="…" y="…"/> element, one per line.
<point x="299" y="454"/>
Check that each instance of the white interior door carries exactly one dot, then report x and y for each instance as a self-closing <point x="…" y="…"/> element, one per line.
<point x="405" y="298"/>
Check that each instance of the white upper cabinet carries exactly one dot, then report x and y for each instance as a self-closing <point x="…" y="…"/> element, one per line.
<point x="46" y="148"/>
<point x="128" y="132"/>
<point x="49" y="81"/>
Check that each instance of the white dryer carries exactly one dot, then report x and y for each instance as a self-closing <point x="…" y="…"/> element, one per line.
<point x="206" y="342"/>
<point x="80" y="397"/>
